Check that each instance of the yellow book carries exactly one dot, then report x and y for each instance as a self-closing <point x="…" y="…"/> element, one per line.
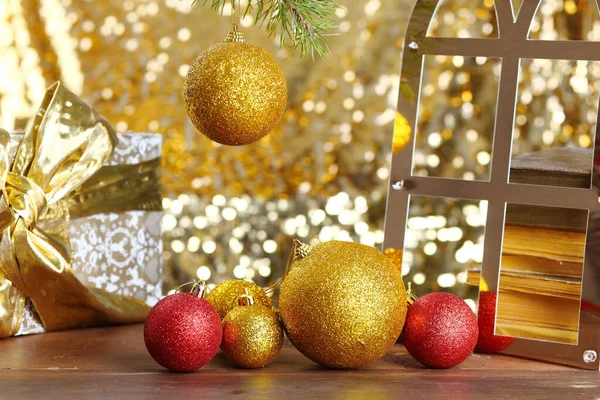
<point x="541" y="266"/>
<point x="565" y="287"/>
<point x="537" y="333"/>
<point x="545" y="243"/>
<point x="536" y="316"/>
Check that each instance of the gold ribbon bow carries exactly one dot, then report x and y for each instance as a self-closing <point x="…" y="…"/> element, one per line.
<point x="65" y="145"/>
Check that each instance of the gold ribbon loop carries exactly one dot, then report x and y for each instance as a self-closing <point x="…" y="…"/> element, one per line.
<point x="27" y="199"/>
<point x="65" y="145"/>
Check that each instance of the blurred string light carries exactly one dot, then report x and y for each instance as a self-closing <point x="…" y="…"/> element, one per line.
<point x="451" y="130"/>
<point x="250" y="238"/>
<point x="557" y="104"/>
<point x="444" y="238"/>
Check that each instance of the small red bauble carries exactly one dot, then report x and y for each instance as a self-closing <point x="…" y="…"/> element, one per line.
<point x="183" y="332"/>
<point x="440" y="330"/>
<point x="487" y="341"/>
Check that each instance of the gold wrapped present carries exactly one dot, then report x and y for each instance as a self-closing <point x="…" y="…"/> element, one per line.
<point x="80" y="213"/>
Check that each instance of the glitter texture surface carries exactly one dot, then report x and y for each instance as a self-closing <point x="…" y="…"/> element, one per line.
<point x="343" y="305"/>
<point x="252" y="336"/>
<point x="225" y="296"/>
<point x="487" y="342"/>
<point x="183" y="332"/>
<point x="441" y="330"/>
<point x="235" y="93"/>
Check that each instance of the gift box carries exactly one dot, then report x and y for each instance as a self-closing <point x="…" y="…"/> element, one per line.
<point x="80" y="220"/>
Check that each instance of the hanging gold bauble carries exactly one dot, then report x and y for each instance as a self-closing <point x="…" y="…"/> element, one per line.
<point x="225" y="296"/>
<point x="235" y="92"/>
<point x="252" y="335"/>
<point x="342" y="304"/>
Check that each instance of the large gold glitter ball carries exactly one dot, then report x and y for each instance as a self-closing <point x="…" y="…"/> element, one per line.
<point x="225" y="296"/>
<point x="235" y="93"/>
<point x="342" y="304"/>
<point x="252" y="336"/>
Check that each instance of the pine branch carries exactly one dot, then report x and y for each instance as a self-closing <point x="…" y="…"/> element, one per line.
<point x="299" y="24"/>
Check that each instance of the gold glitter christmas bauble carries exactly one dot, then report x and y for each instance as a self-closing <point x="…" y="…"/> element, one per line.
<point x="252" y="336"/>
<point x="225" y="296"/>
<point x="235" y="93"/>
<point x="342" y="304"/>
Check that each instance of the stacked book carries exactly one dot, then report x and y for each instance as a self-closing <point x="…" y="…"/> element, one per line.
<point x="541" y="272"/>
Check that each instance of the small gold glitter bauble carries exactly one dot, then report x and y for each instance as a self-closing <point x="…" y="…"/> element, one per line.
<point x="342" y="304"/>
<point x="225" y="296"/>
<point x="235" y="93"/>
<point x="252" y="336"/>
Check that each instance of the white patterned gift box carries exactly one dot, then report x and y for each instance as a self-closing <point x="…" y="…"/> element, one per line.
<point x="120" y="253"/>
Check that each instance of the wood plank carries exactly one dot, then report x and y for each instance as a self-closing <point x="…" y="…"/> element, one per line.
<point x="109" y="363"/>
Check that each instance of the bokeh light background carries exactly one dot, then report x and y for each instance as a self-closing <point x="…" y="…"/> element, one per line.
<point x="323" y="174"/>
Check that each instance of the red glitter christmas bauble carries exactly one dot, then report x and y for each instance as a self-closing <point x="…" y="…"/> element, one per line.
<point x="183" y="332"/>
<point x="440" y="330"/>
<point x="487" y="341"/>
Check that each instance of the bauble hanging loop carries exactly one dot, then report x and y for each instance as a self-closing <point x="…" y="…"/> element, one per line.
<point x="410" y="296"/>
<point x="246" y="299"/>
<point x="301" y="250"/>
<point x="198" y="289"/>
<point x="235" y="36"/>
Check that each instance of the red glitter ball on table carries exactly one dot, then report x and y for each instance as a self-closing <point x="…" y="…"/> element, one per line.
<point x="183" y="332"/>
<point x="440" y="330"/>
<point x="487" y="341"/>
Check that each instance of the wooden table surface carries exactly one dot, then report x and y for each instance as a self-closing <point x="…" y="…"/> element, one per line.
<point x="112" y="363"/>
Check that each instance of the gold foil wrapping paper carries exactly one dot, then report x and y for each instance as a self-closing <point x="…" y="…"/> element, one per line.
<point x="75" y="251"/>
